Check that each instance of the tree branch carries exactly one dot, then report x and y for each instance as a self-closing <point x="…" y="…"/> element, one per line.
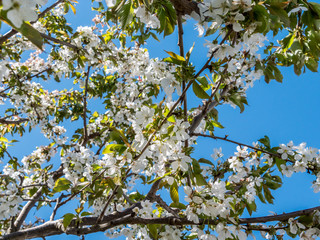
<point x="59" y="41"/>
<point x="85" y="131"/>
<point x="197" y="119"/>
<point x="21" y="120"/>
<point x="235" y="142"/>
<point x="127" y="217"/>
<point x="181" y="48"/>
<point x="56" y="207"/>
<point x="25" y="210"/>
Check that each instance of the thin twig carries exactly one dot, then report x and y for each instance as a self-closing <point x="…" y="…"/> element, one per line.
<point x="85" y="131"/>
<point x="163" y="204"/>
<point x="114" y="192"/>
<point x="56" y="207"/>
<point x="32" y="76"/>
<point x="181" y="47"/>
<point x="235" y="142"/>
<point x="59" y="41"/>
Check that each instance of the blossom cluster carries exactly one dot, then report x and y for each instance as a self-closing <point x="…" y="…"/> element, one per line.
<point x="19" y="11"/>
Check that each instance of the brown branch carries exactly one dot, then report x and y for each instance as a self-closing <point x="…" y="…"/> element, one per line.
<point x="58" y="200"/>
<point x="21" y="120"/>
<point x="207" y="108"/>
<point x="235" y="142"/>
<point x="181" y="48"/>
<point x="85" y="131"/>
<point x="114" y="192"/>
<point x="45" y="36"/>
<point x="127" y="217"/>
<point x="153" y="190"/>
<point x="279" y="217"/>
<point x="25" y="210"/>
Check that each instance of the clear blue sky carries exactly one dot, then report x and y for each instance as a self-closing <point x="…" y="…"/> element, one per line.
<point x="284" y="112"/>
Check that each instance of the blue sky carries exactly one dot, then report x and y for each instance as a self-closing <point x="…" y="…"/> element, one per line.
<point x="285" y="112"/>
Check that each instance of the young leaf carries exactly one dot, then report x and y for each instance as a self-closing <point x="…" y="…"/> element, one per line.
<point x="61" y="185"/>
<point x="67" y="218"/>
<point x="189" y="53"/>
<point x="111" y="148"/>
<point x="203" y="160"/>
<point x="265" y="141"/>
<point x="126" y="14"/>
<point x="198" y="91"/>
<point x="176" y="56"/>
<point x="174" y="192"/>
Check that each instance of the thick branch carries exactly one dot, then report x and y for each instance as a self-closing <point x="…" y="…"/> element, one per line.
<point x="21" y="120"/>
<point x="26" y="209"/>
<point x="127" y="217"/>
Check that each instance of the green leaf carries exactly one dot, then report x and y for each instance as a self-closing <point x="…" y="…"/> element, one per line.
<point x="261" y="197"/>
<point x="265" y="141"/>
<point x="203" y="160"/>
<point x="189" y="53"/>
<point x="153" y="229"/>
<point x="267" y="194"/>
<point x="198" y="91"/>
<point x="171" y="119"/>
<point x="306" y="220"/>
<point x="154" y="36"/>
<point x="167" y="17"/>
<point x="176" y="56"/>
<point x="174" y="192"/>
<point x="178" y="205"/>
<point x="196" y="167"/>
<point x="112" y="148"/>
<point x="26" y="30"/>
<point x="312" y="64"/>
<point x="287" y="41"/>
<point x="251" y="207"/>
<point x="3" y="139"/>
<point x="204" y="82"/>
<point x="238" y="100"/>
<point x="158" y="178"/>
<point x="216" y="124"/>
<point x="32" y="34"/>
<point x="279" y="162"/>
<point x="67" y="218"/>
<point x="83" y="214"/>
<point x="200" y="180"/>
<point x="61" y="185"/>
<point x="282" y="14"/>
<point x="126" y="14"/>
<point x="73" y="9"/>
